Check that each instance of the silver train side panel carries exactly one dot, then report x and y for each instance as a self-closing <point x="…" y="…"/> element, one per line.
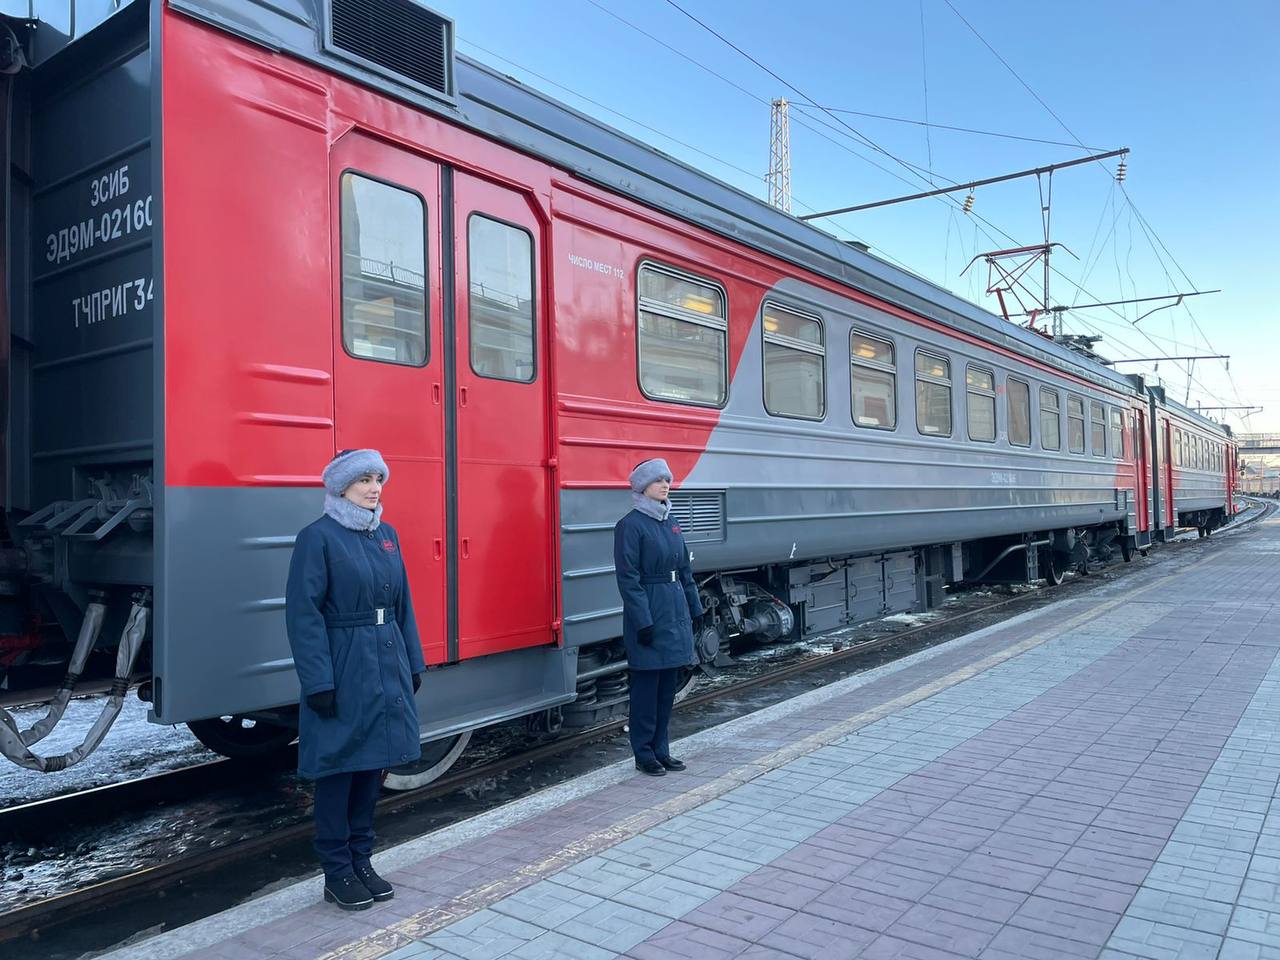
<point x="220" y="643"/>
<point x="793" y="490"/>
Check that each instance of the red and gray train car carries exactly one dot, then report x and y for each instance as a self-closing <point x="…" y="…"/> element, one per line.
<point x="242" y="235"/>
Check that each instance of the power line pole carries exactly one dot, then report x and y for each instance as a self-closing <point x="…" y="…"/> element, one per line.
<point x="779" y="179"/>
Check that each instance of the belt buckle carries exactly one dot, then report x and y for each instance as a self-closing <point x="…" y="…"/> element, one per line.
<point x="381" y="613"/>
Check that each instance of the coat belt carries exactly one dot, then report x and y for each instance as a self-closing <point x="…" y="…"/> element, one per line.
<point x="377" y="617"/>
<point x="670" y="577"/>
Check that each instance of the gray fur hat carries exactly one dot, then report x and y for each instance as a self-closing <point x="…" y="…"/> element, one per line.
<point x="649" y="471"/>
<point x="349" y="466"/>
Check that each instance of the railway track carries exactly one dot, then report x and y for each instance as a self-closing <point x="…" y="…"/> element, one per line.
<point x="30" y="919"/>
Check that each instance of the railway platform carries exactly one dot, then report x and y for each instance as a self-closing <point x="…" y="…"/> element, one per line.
<point x="1094" y="779"/>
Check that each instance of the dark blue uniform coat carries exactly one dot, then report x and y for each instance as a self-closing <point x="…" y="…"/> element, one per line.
<point x="645" y="549"/>
<point x="336" y="572"/>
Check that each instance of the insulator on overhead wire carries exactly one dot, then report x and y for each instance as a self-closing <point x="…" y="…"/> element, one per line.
<point x="968" y="203"/>
<point x="1122" y="171"/>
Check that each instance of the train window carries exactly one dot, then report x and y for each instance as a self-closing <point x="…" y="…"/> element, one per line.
<point x="1098" y="429"/>
<point x="794" y="364"/>
<point x="500" y="300"/>
<point x="1019" y="394"/>
<point x="980" y="403"/>
<point x="1117" y="434"/>
<point x="1050" y="420"/>
<point x="873" y="382"/>
<point x="933" y="395"/>
<point x="384" y="271"/>
<point x="1075" y="424"/>
<point x="683" y="334"/>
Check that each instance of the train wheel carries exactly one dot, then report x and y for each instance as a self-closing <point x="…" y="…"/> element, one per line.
<point x="437" y="757"/>
<point x="1049" y="567"/>
<point x="242" y="738"/>
<point x="686" y="680"/>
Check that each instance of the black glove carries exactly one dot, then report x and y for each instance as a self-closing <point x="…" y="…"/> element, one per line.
<point x="323" y="703"/>
<point x="417" y="682"/>
<point x="644" y="636"/>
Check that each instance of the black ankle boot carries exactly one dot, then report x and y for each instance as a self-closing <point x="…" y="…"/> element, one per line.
<point x="652" y="767"/>
<point x="671" y="763"/>
<point x="379" y="888"/>
<point x="348" y="893"/>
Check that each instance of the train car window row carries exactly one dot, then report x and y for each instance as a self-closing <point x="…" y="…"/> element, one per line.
<point x="794" y="364"/>
<point x="500" y="300"/>
<point x="980" y="403"/>
<point x="1197" y="453"/>
<point x="383" y="231"/>
<point x="683" y="334"/>
<point x="873" y="381"/>
<point x="683" y="337"/>
<point x="933" y="395"/>
<point x="1018" y="393"/>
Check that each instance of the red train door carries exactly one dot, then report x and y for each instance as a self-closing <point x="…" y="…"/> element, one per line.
<point x="389" y="364"/>
<point x="506" y="581"/>
<point x="1170" y="511"/>
<point x="1141" y="440"/>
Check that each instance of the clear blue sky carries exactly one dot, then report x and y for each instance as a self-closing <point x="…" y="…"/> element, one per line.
<point x="1191" y="88"/>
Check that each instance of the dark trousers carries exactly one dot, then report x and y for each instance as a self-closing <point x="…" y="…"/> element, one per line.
<point x="344" y="820"/>
<point x="652" y="693"/>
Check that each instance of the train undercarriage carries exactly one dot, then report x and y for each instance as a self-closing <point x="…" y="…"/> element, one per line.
<point x="748" y="608"/>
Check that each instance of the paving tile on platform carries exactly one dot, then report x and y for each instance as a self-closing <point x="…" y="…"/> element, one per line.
<point x="684" y="941"/>
<point x="945" y="929"/>
<point x="485" y="935"/>
<point x="1147" y="938"/>
<point x="666" y="896"/>
<point x="810" y="937"/>
<point x="614" y="926"/>
<point x="546" y="904"/>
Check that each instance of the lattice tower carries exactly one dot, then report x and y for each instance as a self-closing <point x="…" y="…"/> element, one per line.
<point x="779" y="178"/>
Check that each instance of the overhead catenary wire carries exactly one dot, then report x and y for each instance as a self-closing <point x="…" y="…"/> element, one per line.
<point x="1153" y="238"/>
<point x="666" y="136"/>
<point x="911" y="169"/>
<point x="946" y="126"/>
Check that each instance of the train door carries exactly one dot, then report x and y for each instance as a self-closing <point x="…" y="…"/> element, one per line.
<point x="1171" y="517"/>
<point x="389" y="367"/>
<point x="506" y="572"/>
<point x="1142" y="464"/>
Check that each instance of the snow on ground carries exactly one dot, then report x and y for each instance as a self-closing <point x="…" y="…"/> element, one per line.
<point x="911" y="619"/>
<point x="133" y="747"/>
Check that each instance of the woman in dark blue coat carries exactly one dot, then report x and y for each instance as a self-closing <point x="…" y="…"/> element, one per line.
<point x="659" y="603"/>
<point x="355" y="646"/>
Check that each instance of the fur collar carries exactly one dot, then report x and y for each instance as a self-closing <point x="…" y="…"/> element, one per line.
<point x="351" y="516"/>
<point x="658" y="509"/>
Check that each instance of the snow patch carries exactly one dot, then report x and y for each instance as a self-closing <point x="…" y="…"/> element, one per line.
<point x="133" y="747"/>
